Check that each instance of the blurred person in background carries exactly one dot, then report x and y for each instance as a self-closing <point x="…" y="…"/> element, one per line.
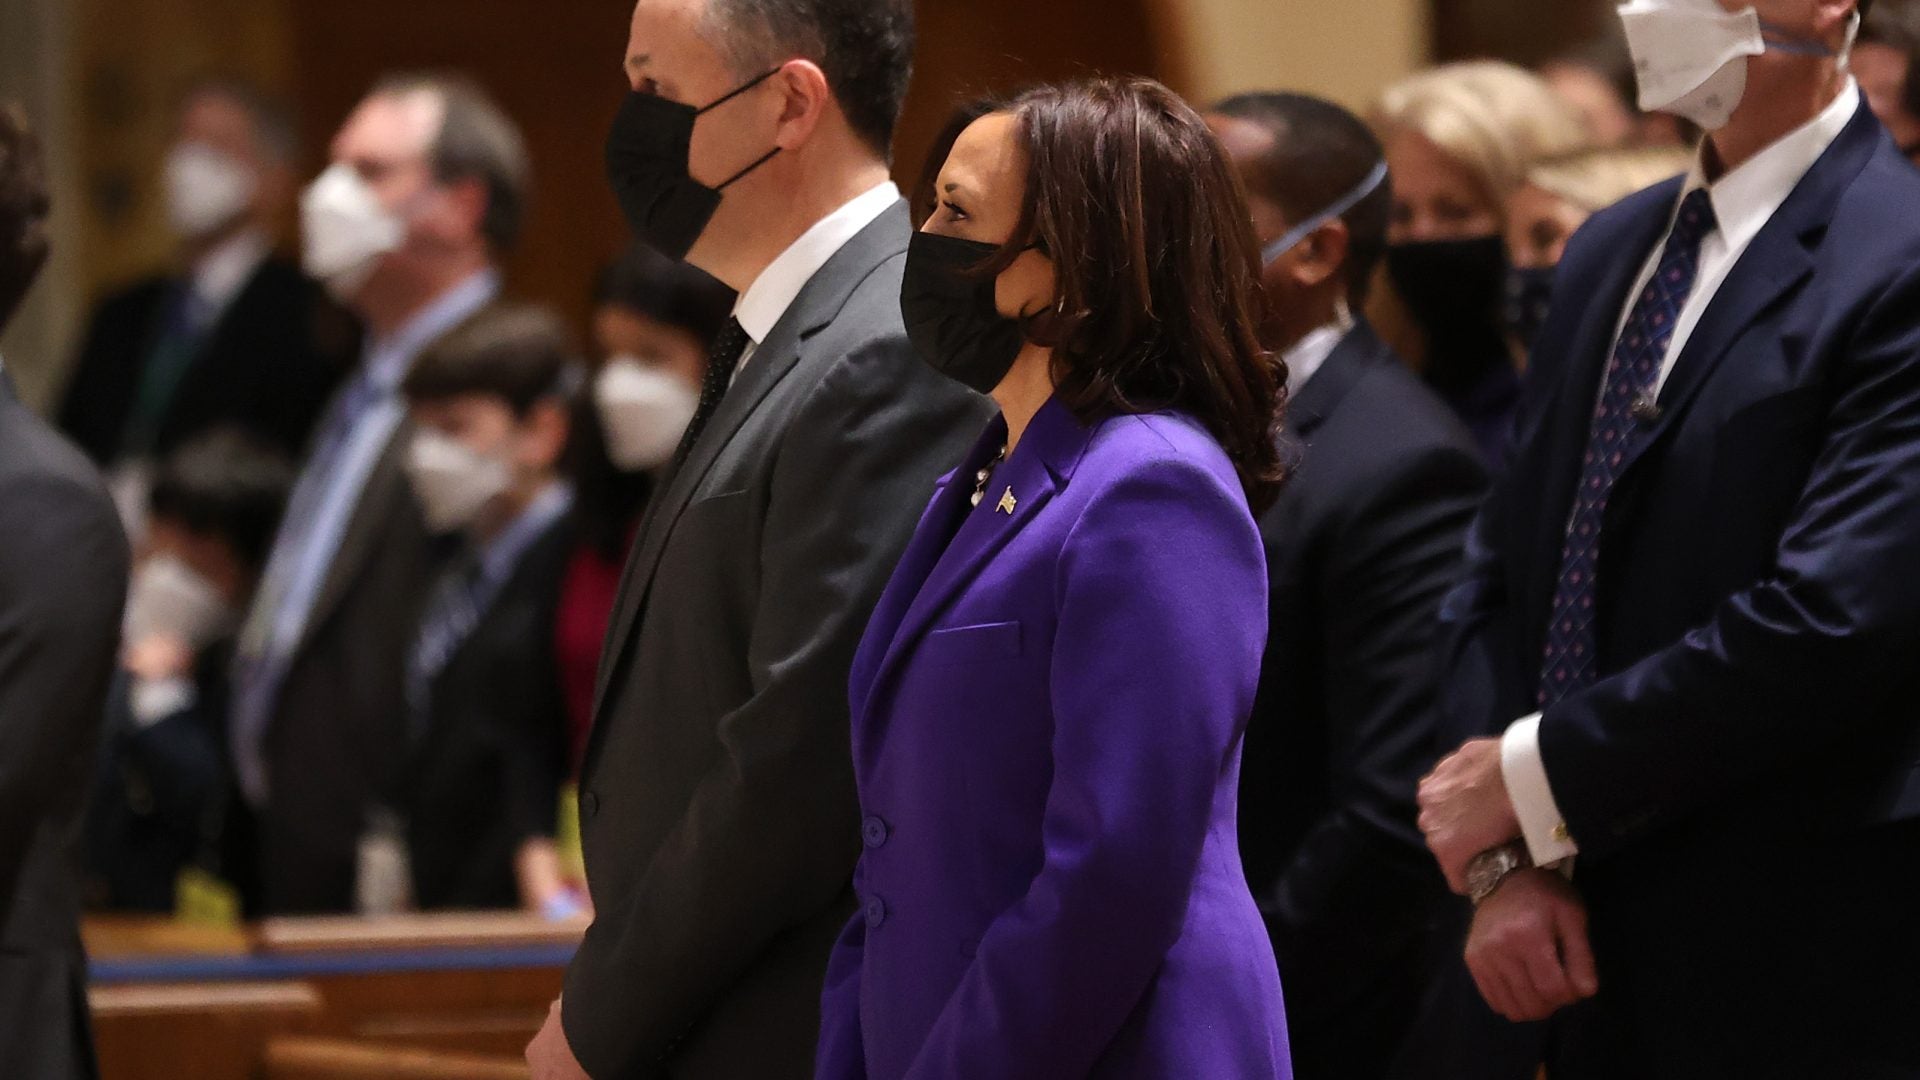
<point x="233" y="335"/>
<point x="1361" y="546"/>
<point x="1460" y="139"/>
<point x="1597" y="80"/>
<point x="1883" y="62"/>
<point x="159" y="835"/>
<point x="486" y="716"/>
<point x="63" y="582"/>
<point x="654" y="320"/>
<point x="1543" y="214"/>
<point x="426" y="190"/>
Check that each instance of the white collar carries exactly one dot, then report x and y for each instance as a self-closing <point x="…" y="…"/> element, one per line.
<point x="1310" y="353"/>
<point x="773" y="292"/>
<point x="220" y="274"/>
<point x="1746" y="198"/>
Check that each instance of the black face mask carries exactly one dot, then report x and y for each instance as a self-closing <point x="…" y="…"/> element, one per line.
<point x="647" y="153"/>
<point x="951" y="316"/>
<point x="1455" y="290"/>
<point x="1529" y="295"/>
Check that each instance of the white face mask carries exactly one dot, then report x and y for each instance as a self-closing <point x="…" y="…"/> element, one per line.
<point x="206" y="190"/>
<point x="1690" y="56"/>
<point x="345" y="230"/>
<point x="168" y="597"/>
<point x="644" y="410"/>
<point x="453" y="482"/>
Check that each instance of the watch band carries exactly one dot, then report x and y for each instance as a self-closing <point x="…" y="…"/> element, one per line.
<point x="1490" y="869"/>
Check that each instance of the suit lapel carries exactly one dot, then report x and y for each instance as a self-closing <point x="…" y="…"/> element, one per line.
<point x="944" y="516"/>
<point x="1322" y="393"/>
<point x="1042" y="464"/>
<point x="370" y="517"/>
<point x="812" y="310"/>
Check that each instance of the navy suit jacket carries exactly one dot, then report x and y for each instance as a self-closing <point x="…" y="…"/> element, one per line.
<point x="1751" y="739"/>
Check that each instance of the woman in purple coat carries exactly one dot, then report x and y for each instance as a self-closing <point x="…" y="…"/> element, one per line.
<point x="1049" y="702"/>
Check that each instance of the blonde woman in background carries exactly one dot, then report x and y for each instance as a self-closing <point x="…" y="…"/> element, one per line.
<point x="1559" y="195"/>
<point x="1460" y="140"/>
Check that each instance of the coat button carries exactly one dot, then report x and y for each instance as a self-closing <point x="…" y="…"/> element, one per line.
<point x="590" y="804"/>
<point x="874" y="831"/>
<point x="876" y="913"/>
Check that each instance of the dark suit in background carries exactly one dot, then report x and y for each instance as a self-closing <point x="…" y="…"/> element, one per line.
<point x="63" y="581"/>
<point x="485" y="763"/>
<point x="1361" y="548"/>
<point x="266" y="364"/>
<point x="1743" y="777"/>
<point x="717" y="806"/>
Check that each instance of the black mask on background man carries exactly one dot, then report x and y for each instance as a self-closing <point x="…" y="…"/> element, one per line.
<point x="1456" y="291"/>
<point x="647" y="154"/>
<point x="951" y="315"/>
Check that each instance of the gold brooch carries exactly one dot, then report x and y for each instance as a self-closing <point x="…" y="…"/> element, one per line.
<point x="1007" y="503"/>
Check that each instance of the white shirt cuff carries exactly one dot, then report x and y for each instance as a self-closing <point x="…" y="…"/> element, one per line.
<point x="1548" y="841"/>
<point x="153" y="700"/>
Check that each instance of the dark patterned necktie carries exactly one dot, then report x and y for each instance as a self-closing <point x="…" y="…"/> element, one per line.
<point x="1631" y="378"/>
<point x="722" y="360"/>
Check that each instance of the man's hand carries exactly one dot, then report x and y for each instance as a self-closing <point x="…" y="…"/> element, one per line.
<point x="549" y="1054"/>
<point x="1465" y="810"/>
<point x="1528" y="948"/>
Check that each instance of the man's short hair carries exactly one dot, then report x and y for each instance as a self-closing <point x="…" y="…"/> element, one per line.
<point x="477" y="141"/>
<point x="1319" y="153"/>
<point x="865" y="47"/>
<point x="24" y="209"/>
<point x="274" y="129"/>
<point x="225" y="485"/>
<point x="519" y="353"/>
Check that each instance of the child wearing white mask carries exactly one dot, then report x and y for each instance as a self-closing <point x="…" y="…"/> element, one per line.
<point x="490" y="409"/>
<point x="158" y="835"/>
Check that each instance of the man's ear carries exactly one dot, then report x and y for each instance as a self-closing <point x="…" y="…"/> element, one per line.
<point x="547" y="429"/>
<point x="1321" y="255"/>
<point x="806" y="96"/>
<point x="463" y="207"/>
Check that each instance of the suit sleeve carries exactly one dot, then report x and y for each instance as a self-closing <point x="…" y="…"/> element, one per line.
<point x="63" y="580"/>
<point x="1162" y="621"/>
<point x="1389" y="564"/>
<point x="770" y="836"/>
<point x="1791" y="665"/>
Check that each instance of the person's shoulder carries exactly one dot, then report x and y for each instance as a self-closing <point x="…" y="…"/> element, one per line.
<point x="1876" y="225"/>
<point x="132" y="299"/>
<point x="1391" y="416"/>
<point x="43" y="472"/>
<point x="1167" y="448"/>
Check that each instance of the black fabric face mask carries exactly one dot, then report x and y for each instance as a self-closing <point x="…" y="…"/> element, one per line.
<point x="1456" y="291"/>
<point x="1529" y="295"/>
<point x="647" y="153"/>
<point x="950" y="313"/>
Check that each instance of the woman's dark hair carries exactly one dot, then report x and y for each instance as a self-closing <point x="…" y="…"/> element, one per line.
<point x="1159" y="301"/>
<point x="227" y="485"/>
<point x="923" y="200"/>
<point x="518" y="353"/>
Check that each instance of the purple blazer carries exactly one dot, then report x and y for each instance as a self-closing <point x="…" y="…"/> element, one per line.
<point x="1047" y="717"/>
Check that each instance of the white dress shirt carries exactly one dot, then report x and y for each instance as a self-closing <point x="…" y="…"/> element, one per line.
<point x="760" y="308"/>
<point x="1310" y="353"/>
<point x="1744" y="200"/>
<point x="220" y="274"/>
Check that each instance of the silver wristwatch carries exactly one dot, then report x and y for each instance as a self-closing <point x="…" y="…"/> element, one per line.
<point x="1491" y="868"/>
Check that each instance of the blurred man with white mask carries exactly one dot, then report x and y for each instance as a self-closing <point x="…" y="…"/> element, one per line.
<point x="425" y="191"/>
<point x="1687" y="806"/>
<point x="232" y="335"/>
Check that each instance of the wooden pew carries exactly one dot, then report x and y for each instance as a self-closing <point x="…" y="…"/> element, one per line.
<point x="333" y="1059"/>
<point x="209" y="1031"/>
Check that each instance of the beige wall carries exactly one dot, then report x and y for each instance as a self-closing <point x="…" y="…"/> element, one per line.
<point x="1347" y="50"/>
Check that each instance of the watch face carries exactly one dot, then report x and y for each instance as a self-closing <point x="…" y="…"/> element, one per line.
<point x="1489" y="869"/>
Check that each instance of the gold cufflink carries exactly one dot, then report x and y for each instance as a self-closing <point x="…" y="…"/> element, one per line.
<point x="1561" y="834"/>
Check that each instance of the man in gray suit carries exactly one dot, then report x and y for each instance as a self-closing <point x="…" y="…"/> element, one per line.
<point x="63" y="579"/>
<point x="717" y="803"/>
<point x="424" y="194"/>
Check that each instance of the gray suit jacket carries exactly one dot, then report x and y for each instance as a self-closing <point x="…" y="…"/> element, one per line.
<point x="63" y="582"/>
<point x="717" y="803"/>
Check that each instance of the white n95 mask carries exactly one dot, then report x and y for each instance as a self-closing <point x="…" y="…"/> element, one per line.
<point x="644" y="412"/>
<point x="345" y="231"/>
<point x="206" y="190"/>
<point x="1690" y="56"/>
<point x="168" y="597"/>
<point x="452" y="482"/>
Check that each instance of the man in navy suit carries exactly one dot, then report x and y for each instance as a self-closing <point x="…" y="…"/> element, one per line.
<point x="1691" y="604"/>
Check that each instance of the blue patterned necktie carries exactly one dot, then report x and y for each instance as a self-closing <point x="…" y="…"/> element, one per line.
<point x="1631" y="378"/>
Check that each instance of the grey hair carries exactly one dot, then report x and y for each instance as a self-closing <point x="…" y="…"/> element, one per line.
<point x="274" y="129"/>
<point x="477" y="141"/>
